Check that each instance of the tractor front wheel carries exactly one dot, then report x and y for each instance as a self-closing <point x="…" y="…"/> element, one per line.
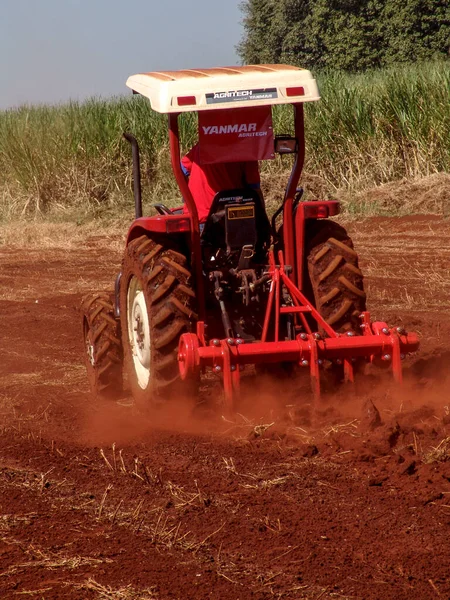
<point x="156" y="307"/>
<point x="103" y="349"/>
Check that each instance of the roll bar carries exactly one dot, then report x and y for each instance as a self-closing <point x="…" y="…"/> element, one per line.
<point x="196" y="254"/>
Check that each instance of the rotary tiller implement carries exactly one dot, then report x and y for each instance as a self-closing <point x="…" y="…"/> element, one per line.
<point x="235" y="289"/>
<point x="308" y="349"/>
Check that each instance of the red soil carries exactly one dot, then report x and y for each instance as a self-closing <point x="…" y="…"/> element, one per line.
<point x="97" y="501"/>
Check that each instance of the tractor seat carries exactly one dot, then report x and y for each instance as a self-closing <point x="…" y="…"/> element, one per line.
<point x="236" y="218"/>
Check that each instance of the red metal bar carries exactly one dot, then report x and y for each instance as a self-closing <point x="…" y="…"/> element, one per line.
<point x="300" y="244"/>
<point x="349" y="376"/>
<point x="303" y="319"/>
<point x="288" y="217"/>
<point x="277" y="304"/>
<point x="196" y="254"/>
<point x="305" y="302"/>
<point x="292" y="351"/>
<point x="299" y="310"/>
<point x="314" y="367"/>
<point x="268" y="310"/>
<point x="396" y="358"/>
<point x="379" y="326"/>
<point x="201" y="332"/>
<point x="235" y="373"/>
<point x="294" y="309"/>
<point x="305" y="323"/>
<point x="366" y="325"/>
<point x="302" y="304"/>
<point x="224" y="351"/>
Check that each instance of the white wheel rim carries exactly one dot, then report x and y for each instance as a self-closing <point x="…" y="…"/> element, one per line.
<point x="90" y="350"/>
<point x="138" y="332"/>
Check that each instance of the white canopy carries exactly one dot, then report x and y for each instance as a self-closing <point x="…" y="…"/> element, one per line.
<point x="225" y="87"/>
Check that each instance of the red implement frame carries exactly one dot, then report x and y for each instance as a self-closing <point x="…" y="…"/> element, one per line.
<point x="309" y="349"/>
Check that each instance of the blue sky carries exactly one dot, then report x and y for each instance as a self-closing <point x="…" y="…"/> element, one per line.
<point x="53" y="50"/>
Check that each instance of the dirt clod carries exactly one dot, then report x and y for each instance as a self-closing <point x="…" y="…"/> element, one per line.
<point x="370" y="416"/>
<point x="410" y="469"/>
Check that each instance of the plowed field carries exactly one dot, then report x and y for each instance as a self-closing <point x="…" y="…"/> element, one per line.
<point x="98" y="501"/>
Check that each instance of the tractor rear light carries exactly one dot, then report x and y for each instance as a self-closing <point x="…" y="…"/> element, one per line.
<point x="316" y="212"/>
<point x="186" y="100"/>
<point x="295" y="91"/>
<point x="178" y="225"/>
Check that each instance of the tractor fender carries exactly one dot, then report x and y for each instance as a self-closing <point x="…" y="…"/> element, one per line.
<point x="160" y="225"/>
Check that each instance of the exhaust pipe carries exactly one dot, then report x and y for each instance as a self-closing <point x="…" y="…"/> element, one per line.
<point x="136" y="174"/>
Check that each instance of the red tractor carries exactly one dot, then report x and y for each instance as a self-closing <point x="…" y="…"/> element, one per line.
<point x="238" y="289"/>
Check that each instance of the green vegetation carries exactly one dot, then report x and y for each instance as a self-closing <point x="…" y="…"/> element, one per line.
<point x="367" y="130"/>
<point x="347" y="34"/>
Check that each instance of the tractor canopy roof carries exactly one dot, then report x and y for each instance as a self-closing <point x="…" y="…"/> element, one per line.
<point x="225" y="87"/>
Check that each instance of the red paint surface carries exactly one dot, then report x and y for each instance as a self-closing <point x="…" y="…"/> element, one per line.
<point x="234" y="135"/>
<point x="205" y="181"/>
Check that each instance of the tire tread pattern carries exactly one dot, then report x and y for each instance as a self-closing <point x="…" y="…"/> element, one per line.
<point x="103" y="331"/>
<point x="336" y="280"/>
<point x="170" y="299"/>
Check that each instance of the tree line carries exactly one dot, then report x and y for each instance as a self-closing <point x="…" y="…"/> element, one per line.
<point x="350" y="35"/>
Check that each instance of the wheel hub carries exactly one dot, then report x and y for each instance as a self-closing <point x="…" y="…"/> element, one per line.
<point x="89" y="346"/>
<point x="90" y="352"/>
<point x="139" y="332"/>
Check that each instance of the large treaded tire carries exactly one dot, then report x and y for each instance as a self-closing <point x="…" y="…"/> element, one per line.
<point x="335" y="277"/>
<point x="102" y="345"/>
<point x="157" y="304"/>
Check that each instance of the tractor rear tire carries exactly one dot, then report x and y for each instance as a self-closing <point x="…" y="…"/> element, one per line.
<point x="103" y="349"/>
<point x="335" y="277"/>
<point x="157" y="304"/>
